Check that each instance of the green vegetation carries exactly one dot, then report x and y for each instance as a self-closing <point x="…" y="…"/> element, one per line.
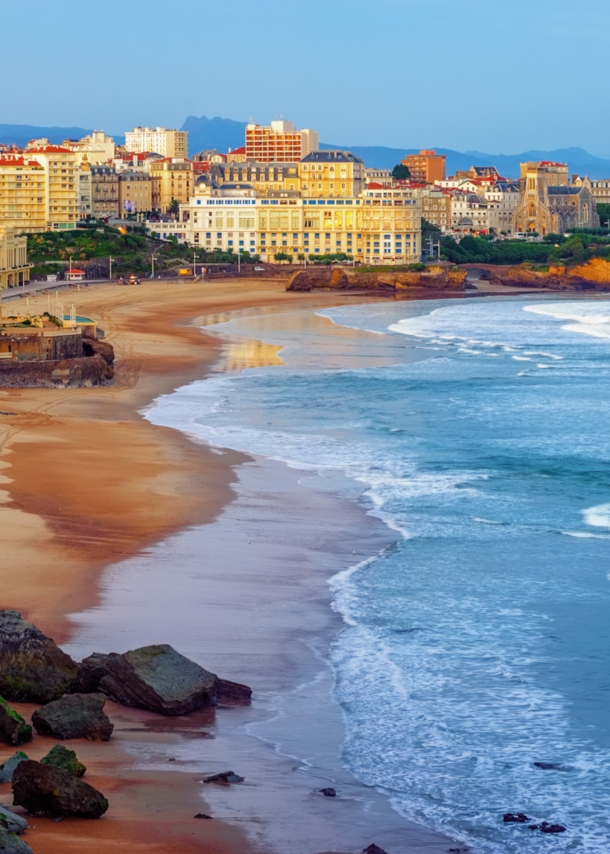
<point x="283" y="256"/>
<point x="401" y="172"/>
<point x="604" y="214"/>
<point x="330" y="258"/>
<point x="131" y="250"/>
<point x="554" y="249"/>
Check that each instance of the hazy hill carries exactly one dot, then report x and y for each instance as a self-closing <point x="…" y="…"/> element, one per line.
<point x="226" y="133"/>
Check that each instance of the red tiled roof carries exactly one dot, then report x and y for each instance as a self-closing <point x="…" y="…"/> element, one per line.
<point x="241" y="150"/>
<point x="18" y="161"/>
<point x="374" y="186"/>
<point x="49" y="149"/>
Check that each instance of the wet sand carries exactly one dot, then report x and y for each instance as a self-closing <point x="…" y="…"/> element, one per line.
<point x="88" y="484"/>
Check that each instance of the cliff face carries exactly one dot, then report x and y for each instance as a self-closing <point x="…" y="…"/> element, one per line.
<point x="594" y="275"/>
<point x="388" y="282"/>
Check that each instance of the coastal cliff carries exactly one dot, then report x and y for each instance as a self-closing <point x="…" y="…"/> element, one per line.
<point x="388" y="281"/>
<point x="594" y="275"/>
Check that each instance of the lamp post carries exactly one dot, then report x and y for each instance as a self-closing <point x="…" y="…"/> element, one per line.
<point x="110" y="272"/>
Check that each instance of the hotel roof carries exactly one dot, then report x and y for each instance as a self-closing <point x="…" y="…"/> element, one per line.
<point x="334" y="156"/>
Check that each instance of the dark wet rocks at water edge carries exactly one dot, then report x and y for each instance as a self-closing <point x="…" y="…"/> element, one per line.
<point x="13" y="728"/>
<point x="11" y="844"/>
<point x="516" y="817"/>
<point x="8" y="768"/>
<point x="202" y="815"/>
<point x="550" y="766"/>
<point x="545" y="827"/>
<point x="47" y="790"/>
<point x="225" y="778"/>
<point x="64" y="758"/>
<point x="74" y="716"/>
<point x="374" y="849"/>
<point x="329" y="792"/>
<point x="157" y="678"/>
<point x="33" y="669"/>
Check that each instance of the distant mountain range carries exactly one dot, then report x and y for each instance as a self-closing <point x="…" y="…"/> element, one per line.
<point x="223" y="134"/>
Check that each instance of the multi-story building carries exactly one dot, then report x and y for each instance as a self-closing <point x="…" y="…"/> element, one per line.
<point x="22" y="194"/>
<point x="264" y="177"/>
<point x="425" y="167"/>
<point x="379" y="226"/>
<point x="600" y="189"/>
<point x="331" y="173"/>
<point x="62" y="204"/>
<point x="383" y="177"/>
<point x="135" y="192"/>
<point x="548" y="204"/>
<point x="172" y="182"/>
<point x="436" y="208"/>
<point x="84" y="190"/>
<point x="164" y="141"/>
<point x="280" y="142"/>
<point x="104" y="192"/>
<point x="505" y="195"/>
<point x="97" y="147"/>
<point x="14" y="267"/>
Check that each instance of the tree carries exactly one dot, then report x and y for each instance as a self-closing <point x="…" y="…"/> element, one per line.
<point x="283" y="256"/>
<point x="174" y="208"/>
<point x="604" y="214"/>
<point x="401" y="172"/>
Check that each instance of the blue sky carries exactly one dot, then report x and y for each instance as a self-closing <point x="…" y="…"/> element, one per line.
<point x="500" y="76"/>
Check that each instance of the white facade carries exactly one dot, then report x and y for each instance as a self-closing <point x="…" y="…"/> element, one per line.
<point x="163" y="141"/>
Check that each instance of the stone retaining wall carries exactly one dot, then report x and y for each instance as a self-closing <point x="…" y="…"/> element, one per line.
<point x="85" y="371"/>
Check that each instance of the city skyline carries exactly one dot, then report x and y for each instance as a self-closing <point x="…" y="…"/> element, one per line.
<point x="396" y="73"/>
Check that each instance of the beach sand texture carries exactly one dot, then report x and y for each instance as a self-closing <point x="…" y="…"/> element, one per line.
<point x="87" y="482"/>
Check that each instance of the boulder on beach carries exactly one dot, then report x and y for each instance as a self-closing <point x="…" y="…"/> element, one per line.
<point x="13" y="728"/>
<point x="152" y="677"/>
<point x="62" y="757"/>
<point x="46" y="790"/>
<point x="8" y="768"/>
<point x="226" y="690"/>
<point x="33" y="669"/>
<point x="74" y="716"/>
<point x="12" y="822"/>
<point x="224" y="777"/>
<point x="11" y="844"/>
<point x="374" y="849"/>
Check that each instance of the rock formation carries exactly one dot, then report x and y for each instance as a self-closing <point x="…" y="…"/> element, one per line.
<point x="12" y="822"/>
<point x="385" y="282"/>
<point x="33" y="669"/>
<point x="156" y="678"/>
<point x="45" y="790"/>
<point x="8" y="768"/>
<point x="62" y="757"/>
<point x="594" y="275"/>
<point x="74" y="716"/>
<point x="13" y="728"/>
<point x="11" y="844"/>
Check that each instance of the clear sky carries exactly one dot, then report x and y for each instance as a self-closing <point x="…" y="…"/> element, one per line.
<point x="500" y="76"/>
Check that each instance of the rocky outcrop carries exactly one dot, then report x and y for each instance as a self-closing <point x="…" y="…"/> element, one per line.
<point x="74" y="716"/>
<point x="152" y="677"/>
<point x="33" y="669"/>
<point x="93" y="347"/>
<point x="385" y="282"/>
<point x="64" y="758"/>
<point x="8" y="768"/>
<point x="226" y="690"/>
<point x="45" y="790"/>
<point x="11" y="844"/>
<point x="592" y="276"/>
<point x="12" y="822"/>
<point x="13" y="728"/>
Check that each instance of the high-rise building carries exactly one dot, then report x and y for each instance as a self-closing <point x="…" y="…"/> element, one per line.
<point x="164" y="141"/>
<point x="425" y="167"/>
<point x="22" y="193"/>
<point x="172" y="180"/>
<point x="280" y="142"/>
<point x="61" y="185"/>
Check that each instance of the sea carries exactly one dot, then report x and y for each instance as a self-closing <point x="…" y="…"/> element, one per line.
<point x="473" y="666"/>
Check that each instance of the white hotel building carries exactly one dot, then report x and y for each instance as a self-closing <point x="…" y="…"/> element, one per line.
<point x="377" y="227"/>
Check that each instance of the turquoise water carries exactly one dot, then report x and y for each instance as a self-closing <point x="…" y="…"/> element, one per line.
<point x="479" y="644"/>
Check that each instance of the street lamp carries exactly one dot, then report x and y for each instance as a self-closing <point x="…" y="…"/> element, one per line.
<point x="110" y="258"/>
<point x="152" y="260"/>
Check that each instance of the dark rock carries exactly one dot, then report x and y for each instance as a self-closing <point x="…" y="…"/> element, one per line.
<point x="90" y="673"/>
<point x="202" y="815"/>
<point x="11" y="844"/>
<point x="74" y="716"/>
<point x="224" y="777"/>
<point x="62" y="757"/>
<point x="549" y="766"/>
<point x="8" y="769"/>
<point x="46" y="790"/>
<point x="518" y="817"/>
<point x="152" y="677"/>
<point x="226" y="690"/>
<point x="11" y="822"/>
<point x="374" y="849"/>
<point x="13" y="729"/>
<point x="33" y="669"/>
<point x="533" y="826"/>
<point x="329" y="792"/>
<point x="551" y="828"/>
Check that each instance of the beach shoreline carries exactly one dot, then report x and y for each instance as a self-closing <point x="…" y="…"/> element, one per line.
<point x="78" y="496"/>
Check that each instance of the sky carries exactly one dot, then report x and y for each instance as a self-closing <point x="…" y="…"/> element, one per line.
<point x="498" y="76"/>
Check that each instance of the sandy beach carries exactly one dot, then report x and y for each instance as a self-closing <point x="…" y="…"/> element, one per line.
<point x="88" y="483"/>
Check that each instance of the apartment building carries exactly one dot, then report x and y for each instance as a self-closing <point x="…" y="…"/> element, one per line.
<point x="96" y="148"/>
<point x="379" y="226"/>
<point x="280" y="142"/>
<point x="425" y="167"/>
<point x="331" y="174"/>
<point x="14" y="267"/>
<point x="22" y="194"/>
<point x="600" y="190"/>
<point x="104" y="192"/>
<point x="172" y="182"/>
<point x="164" y="141"/>
<point x="135" y="192"/>
<point x="62" y="185"/>
<point x="264" y="177"/>
<point x="436" y="208"/>
<point x="84" y="190"/>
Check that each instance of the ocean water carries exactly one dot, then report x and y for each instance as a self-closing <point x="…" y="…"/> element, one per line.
<point x="479" y="644"/>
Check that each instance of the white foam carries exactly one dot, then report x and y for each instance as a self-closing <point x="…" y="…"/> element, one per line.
<point x="597" y="517"/>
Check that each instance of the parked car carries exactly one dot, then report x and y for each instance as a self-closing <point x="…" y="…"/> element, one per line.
<point x="259" y="269"/>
